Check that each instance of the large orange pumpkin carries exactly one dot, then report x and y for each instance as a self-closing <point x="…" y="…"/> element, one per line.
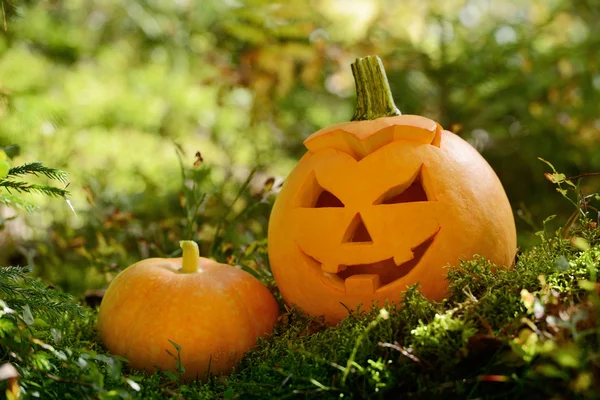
<point x="382" y="203"/>
<point x="213" y="312"/>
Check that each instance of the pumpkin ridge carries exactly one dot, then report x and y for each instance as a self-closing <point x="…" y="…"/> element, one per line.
<point x="354" y="142"/>
<point x="252" y="321"/>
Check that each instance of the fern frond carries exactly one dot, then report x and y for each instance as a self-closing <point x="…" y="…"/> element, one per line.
<point x="14" y="201"/>
<point x="24" y="187"/>
<point x="19" y="289"/>
<point x="37" y="169"/>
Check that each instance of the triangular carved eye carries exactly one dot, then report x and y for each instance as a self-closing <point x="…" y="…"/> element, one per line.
<point x="328" y="199"/>
<point x="402" y="194"/>
<point x="313" y="195"/>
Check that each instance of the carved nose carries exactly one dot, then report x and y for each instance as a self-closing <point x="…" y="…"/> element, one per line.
<point x="357" y="231"/>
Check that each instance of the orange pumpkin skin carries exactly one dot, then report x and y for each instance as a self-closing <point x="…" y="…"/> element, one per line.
<point x="217" y="312"/>
<point x="425" y="197"/>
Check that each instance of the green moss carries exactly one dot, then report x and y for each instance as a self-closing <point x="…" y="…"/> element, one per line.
<point x="523" y="332"/>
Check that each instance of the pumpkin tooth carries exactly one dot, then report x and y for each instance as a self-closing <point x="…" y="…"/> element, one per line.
<point x="362" y="284"/>
<point x="332" y="268"/>
<point x="401" y="259"/>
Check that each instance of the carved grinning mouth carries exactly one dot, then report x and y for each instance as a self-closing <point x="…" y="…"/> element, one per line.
<point x="367" y="278"/>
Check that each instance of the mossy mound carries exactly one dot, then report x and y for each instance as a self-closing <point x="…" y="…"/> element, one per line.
<point x="524" y="332"/>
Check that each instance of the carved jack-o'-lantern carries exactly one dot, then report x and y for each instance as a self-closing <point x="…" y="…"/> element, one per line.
<point x="381" y="203"/>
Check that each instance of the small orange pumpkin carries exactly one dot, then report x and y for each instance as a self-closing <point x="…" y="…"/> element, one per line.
<point x="213" y="311"/>
<point x="381" y="203"/>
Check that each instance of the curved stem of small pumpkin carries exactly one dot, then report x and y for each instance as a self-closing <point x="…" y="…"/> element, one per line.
<point x="191" y="254"/>
<point x="373" y="94"/>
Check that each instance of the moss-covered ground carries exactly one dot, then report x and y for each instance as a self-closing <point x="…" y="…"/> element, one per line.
<point x="526" y="332"/>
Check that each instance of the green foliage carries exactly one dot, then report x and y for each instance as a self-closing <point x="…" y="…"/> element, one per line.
<point x="50" y="340"/>
<point x="37" y="169"/>
<point x="25" y="293"/>
<point x="10" y="185"/>
<point x="246" y="82"/>
<point x="229" y="222"/>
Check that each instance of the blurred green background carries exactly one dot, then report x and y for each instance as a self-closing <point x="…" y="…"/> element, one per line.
<point x="122" y="94"/>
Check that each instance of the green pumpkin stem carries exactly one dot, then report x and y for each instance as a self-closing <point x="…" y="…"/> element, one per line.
<point x="373" y="94"/>
<point x="191" y="254"/>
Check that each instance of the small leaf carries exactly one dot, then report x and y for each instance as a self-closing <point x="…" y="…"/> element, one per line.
<point x="177" y="347"/>
<point x="547" y="163"/>
<point x="568" y="357"/>
<point x="555" y="177"/>
<point x="561" y="263"/>
<point x="12" y="150"/>
<point x="56" y="335"/>
<point x="228" y="394"/>
<point x="250" y="249"/>
<point x="82" y="363"/>
<point x="198" y="160"/>
<point x="587" y="285"/>
<point x="551" y="371"/>
<point x="528" y="299"/>
<point x="27" y="315"/>
<point x="549" y="218"/>
<point x="580" y="243"/>
<point x="268" y="185"/>
<point x="103" y="358"/>
<point x="134" y="385"/>
<point x="538" y="309"/>
<point x="171" y="375"/>
<point x="583" y="382"/>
